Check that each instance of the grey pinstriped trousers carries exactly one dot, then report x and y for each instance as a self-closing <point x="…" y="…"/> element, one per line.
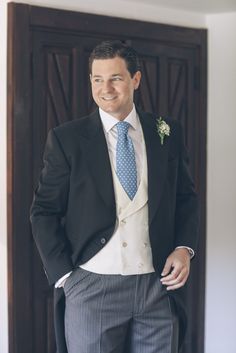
<point x="118" y="314"/>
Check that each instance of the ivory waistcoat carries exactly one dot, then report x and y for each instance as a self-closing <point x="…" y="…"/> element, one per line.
<point x="128" y="252"/>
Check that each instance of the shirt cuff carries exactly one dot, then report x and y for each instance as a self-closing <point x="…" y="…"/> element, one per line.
<point x="60" y="283"/>
<point x="190" y="250"/>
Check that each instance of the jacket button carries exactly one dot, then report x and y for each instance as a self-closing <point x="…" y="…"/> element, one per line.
<point x="103" y="241"/>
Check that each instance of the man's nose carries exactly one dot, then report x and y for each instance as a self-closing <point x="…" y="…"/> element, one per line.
<point x="107" y="86"/>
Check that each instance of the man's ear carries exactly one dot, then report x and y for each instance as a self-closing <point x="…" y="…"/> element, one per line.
<point x="137" y="79"/>
<point x="90" y="76"/>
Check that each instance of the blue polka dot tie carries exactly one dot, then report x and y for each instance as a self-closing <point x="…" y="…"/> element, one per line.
<point x="125" y="160"/>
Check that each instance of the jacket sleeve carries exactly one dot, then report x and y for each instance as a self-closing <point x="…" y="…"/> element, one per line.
<point x="187" y="207"/>
<point x="48" y="209"/>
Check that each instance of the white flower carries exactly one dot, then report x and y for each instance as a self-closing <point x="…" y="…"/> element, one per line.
<point x="163" y="129"/>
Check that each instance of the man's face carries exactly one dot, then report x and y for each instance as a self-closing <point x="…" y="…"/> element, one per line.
<point x="113" y="87"/>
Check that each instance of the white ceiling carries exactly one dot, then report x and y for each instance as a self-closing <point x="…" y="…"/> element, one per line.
<point x="202" y="6"/>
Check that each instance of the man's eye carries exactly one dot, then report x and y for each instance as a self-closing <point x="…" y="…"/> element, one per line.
<point x="117" y="79"/>
<point x="97" y="81"/>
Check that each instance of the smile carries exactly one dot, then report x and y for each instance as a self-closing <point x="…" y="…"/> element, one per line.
<point x="108" y="98"/>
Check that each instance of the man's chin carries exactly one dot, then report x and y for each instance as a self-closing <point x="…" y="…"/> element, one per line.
<point x="109" y="110"/>
<point x="108" y="107"/>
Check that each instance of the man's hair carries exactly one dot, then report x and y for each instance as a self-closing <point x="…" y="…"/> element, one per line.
<point x="110" y="49"/>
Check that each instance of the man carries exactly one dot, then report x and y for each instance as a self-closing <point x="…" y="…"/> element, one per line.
<point x="115" y="219"/>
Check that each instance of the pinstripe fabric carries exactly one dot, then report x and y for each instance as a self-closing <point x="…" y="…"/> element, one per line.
<point x="118" y="314"/>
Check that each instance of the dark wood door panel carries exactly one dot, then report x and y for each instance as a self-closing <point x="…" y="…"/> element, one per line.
<point x="166" y="77"/>
<point x="56" y="89"/>
<point x="168" y="87"/>
<point x="60" y="84"/>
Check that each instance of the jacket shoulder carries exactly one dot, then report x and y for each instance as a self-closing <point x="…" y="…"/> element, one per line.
<point x="76" y="128"/>
<point x="78" y="124"/>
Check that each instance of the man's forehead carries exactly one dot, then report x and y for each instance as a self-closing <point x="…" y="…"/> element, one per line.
<point x="108" y="64"/>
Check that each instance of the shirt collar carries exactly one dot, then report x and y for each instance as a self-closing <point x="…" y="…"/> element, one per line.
<point x="109" y="121"/>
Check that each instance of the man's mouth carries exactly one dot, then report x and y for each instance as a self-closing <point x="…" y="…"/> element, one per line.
<point x="109" y="98"/>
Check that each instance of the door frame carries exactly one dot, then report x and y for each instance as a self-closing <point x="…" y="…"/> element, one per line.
<point x="22" y="19"/>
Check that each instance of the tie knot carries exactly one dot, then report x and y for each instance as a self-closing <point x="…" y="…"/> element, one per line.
<point x="122" y="127"/>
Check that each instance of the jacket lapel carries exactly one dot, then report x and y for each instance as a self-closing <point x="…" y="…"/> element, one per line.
<point x="98" y="158"/>
<point x="157" y="160"/>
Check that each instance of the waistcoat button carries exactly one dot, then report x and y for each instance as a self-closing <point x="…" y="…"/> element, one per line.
<point x="103" y="241"/>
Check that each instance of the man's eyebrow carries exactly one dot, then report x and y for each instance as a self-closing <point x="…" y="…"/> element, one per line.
<point x="113" y="75"/>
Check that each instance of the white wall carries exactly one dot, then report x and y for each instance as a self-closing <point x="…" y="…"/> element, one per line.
<point x="221" y="143"/>
<point x="221" y="195"/>
<point x="126" y="9"/>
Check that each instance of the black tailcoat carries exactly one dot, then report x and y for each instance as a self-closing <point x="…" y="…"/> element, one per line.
<point x="74" y="212"/>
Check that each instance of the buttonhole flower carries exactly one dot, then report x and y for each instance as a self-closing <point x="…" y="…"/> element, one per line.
<point x="163" y="129"/>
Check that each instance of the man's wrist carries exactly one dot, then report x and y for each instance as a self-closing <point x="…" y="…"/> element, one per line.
<point x="190" y="250"/>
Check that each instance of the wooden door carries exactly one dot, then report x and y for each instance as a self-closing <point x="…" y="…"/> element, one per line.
<point x="54" y="81"/>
